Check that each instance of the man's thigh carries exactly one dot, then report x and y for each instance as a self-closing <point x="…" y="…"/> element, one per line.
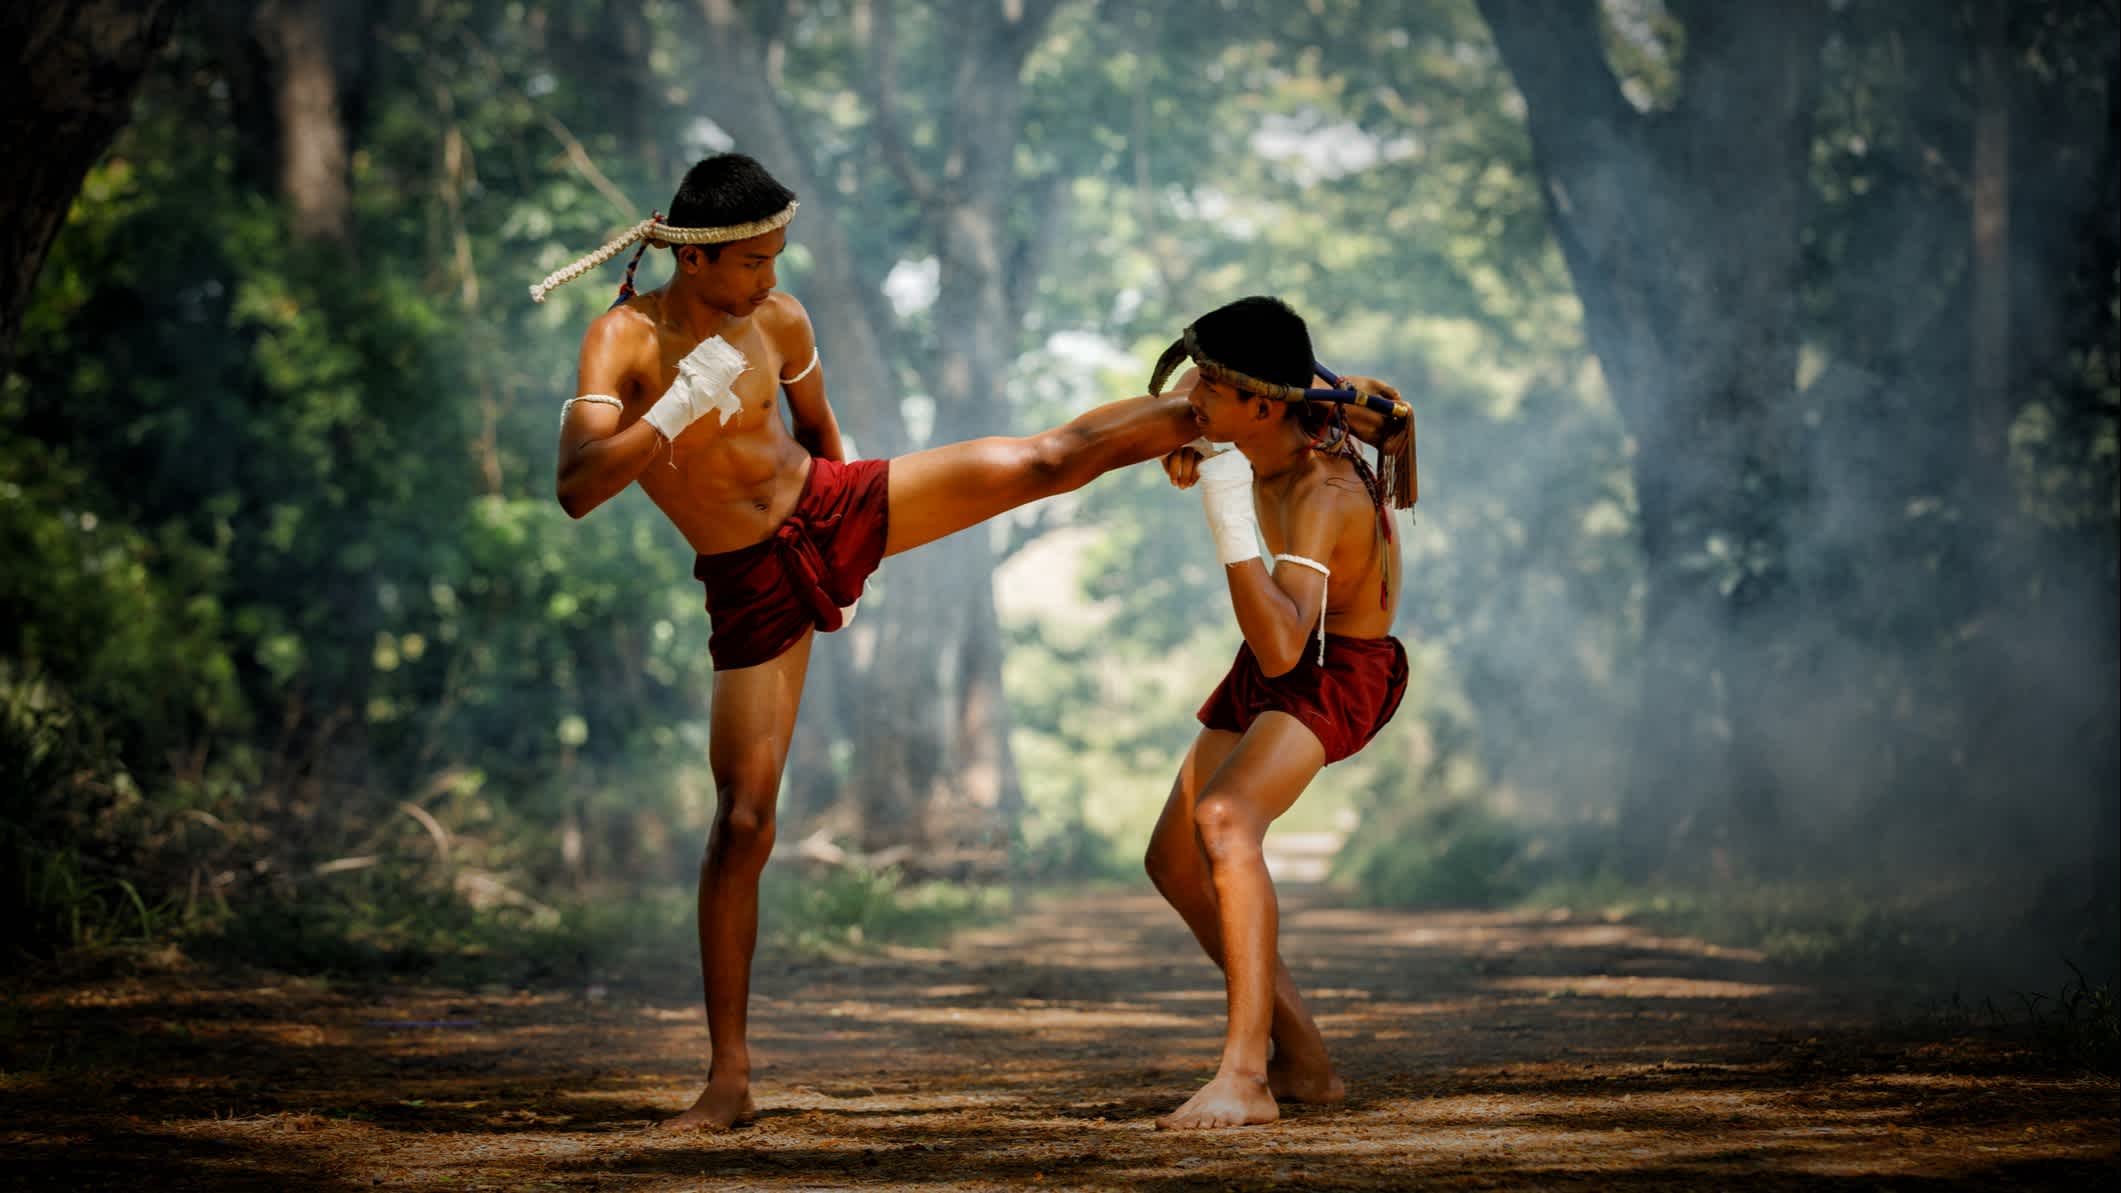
<point x="753" y="719"/>
<point x="1211" y="747"/>
<point x="942" y="490"/>
<point x="1268" y="768"/>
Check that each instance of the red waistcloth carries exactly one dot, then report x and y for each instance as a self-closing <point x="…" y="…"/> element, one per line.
<point x="763" y="597"/>
<point x="1343" y="703"/>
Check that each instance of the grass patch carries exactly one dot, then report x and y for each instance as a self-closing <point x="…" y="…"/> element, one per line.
<point x="409" y="924"/>
<point x="849" y="907"/>
<point x="1448" y="855"/>
<point x="1814" y="924"/>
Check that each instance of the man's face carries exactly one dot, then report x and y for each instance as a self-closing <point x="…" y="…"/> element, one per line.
<point x="1220" y="409"/>
<point x="741" y="276"/>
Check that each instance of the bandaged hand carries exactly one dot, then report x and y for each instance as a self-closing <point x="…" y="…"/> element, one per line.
<point x="1183" y="465"/>
<point x="1226" y="494"/>
<point x="702" y="385"/>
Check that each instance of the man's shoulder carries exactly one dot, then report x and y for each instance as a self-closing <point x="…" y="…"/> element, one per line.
<point x="1336" y="490"/>
<point x="784" y="318"/>
<point x="626" y="327"/>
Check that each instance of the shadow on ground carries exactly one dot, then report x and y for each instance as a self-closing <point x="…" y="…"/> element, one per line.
<point x="1480" y="1049"/>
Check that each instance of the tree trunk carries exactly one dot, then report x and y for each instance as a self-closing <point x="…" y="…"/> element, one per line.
<point x="299" y="39"/>
<point x="976" y="799"/>
<point x="73" y="72"/>
<point x="1989" y="402"/>
<point x="865" y="396"/>
<point x="1680" y="229"/>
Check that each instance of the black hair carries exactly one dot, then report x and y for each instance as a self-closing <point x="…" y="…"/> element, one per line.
<point x="1259" y="337"/>
<point x="728" y="188"/>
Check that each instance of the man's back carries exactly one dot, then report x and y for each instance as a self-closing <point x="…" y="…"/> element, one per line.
<point x="1361" y="597"/>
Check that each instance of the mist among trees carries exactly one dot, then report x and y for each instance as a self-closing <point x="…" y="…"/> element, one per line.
<point x="1765" y="363"/>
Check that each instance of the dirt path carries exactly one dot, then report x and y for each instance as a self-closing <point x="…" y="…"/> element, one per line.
<point x="1480" y="1050"/>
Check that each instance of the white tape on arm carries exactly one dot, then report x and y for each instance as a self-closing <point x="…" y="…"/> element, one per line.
<point x="1226" y="496"/>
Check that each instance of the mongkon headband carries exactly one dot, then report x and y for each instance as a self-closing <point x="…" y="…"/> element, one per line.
<point x="654" y="232"/>
<point x="1396" y="469"/>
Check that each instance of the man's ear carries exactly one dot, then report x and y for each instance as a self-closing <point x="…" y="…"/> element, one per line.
<point x="689" y="258"/>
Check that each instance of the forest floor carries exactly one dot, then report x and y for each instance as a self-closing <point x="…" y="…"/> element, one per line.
<point x="1481" y="1050"/>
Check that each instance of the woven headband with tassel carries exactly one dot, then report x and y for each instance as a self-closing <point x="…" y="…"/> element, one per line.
<point x="653" y="232"/>
<point x="1396" y="468"/>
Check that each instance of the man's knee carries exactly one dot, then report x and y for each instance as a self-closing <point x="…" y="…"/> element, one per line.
<point x="1225" y="825"/>
<point x="743" y="820"/>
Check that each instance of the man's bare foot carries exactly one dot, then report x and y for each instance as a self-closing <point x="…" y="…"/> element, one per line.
<point x="1314" y="1083"/>
<point x="722" y="1105"/>
<point x="1224" y="1102"/>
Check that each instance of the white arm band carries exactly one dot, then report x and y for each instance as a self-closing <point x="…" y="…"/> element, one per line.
<point x="807" y="370"/>
<point x="593" y="399"/>
<point x="1323" y="570"/>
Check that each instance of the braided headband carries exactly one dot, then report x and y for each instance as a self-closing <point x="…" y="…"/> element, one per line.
<point x="653" y="231"/>
<point x="1187" y="347"/>
<point x="1397" y="468"/>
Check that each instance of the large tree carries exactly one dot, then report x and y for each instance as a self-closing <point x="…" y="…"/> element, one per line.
<point x="930" y="717"/>
<point x="1681" y="228"/>
<point x="1810" y="631"/>
<point x="72" y="66"/>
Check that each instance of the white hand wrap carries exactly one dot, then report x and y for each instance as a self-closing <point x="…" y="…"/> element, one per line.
<point x="1207" y="448"/>
<point x="1226" y="495"/>
<point x="702" y="385"/>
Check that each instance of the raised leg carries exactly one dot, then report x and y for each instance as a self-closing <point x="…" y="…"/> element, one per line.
<point x="1299" y="1069"/>
<point x="754" y="714"/>
<point x="1258" y="781"/>
<point x="945" y="489"/>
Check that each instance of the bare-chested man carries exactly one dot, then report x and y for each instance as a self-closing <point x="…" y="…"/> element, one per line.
<point x="1317" y="676"/>
<point x="677" y="391"/>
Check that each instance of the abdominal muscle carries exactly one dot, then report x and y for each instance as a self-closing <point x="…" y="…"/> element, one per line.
<point x="729" y="487"/>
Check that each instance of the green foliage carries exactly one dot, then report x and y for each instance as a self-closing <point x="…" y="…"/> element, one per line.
<point x="1451" y="855"/>
<point x="1845" y="925"/>
<point x="852" y="907"/>
<point x="2079" y="1023"/>
<point x="71" y="909"/>
<point x="282" y="561"/>
<point x="413" y="918"/>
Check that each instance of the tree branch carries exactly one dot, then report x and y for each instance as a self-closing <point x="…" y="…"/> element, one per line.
<point x="577" y="154"/>
<point x="1556" y="55"/>
<point x="1027" y="257"/>
<point x="876" y="27"/>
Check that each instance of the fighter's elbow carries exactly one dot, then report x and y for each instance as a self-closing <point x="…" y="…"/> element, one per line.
<point x="1275" y="664"/>
<point x="573" y="500"/>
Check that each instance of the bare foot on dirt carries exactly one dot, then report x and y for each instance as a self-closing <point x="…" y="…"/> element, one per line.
<point x="1314" y="1083"/>
<point x="722" y="1105"/>
<point x="1224" y="1102"/>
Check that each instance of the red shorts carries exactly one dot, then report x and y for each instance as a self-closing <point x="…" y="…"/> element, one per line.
<point x="1344" y="702"/>
<point x="764" y="597"/>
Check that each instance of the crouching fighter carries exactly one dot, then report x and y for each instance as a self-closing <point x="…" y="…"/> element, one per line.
<point x="1317" y="676"/>
<point x="677" y="390"/>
